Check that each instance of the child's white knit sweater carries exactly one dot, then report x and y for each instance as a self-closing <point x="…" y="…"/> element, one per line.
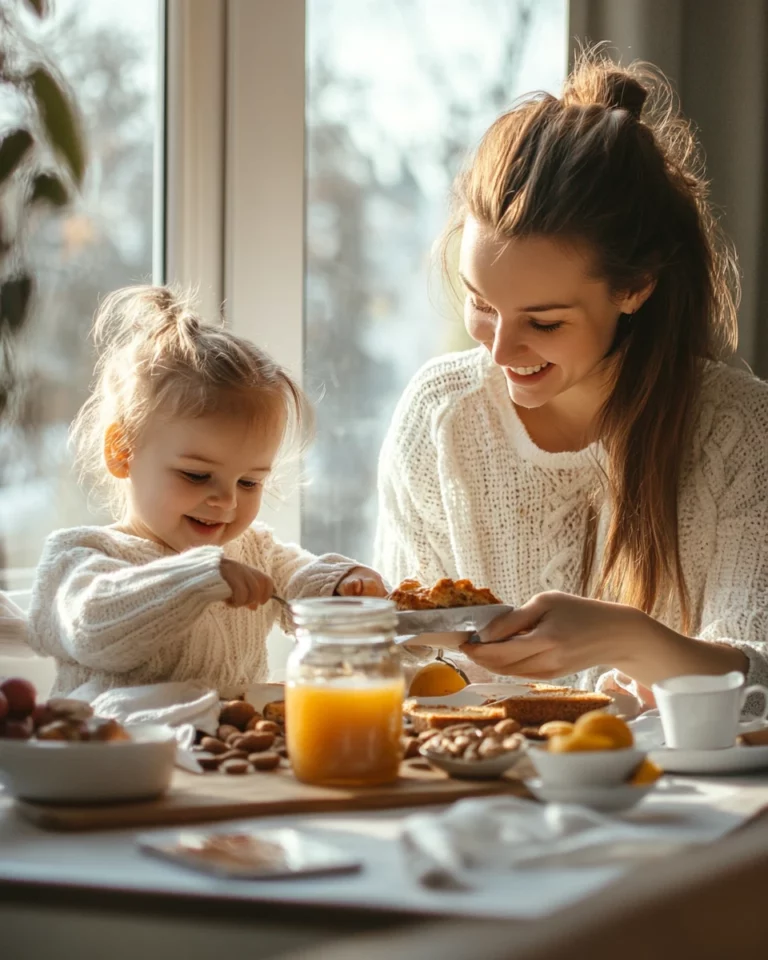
<point x="464" y="492"/>
<point x="121" y="611"/>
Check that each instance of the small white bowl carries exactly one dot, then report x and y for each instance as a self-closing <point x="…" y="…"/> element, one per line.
<point x="585" y="767"/>
<point x="56" y="772"/>
<point x="489" y="768"/>
<point x="604" y="798"/>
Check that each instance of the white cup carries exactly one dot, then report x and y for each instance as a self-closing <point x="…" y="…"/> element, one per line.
<point x="703" y="713"/>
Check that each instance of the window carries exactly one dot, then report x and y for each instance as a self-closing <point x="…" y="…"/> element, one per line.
<point x="109" y="53"/>
<point x="397" y="93"/>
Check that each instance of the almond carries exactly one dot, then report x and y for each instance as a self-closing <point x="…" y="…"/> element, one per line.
<point x="237" y="713"/>
<point x="264" y="761"/>
<point x="267" y="726"/>
<point x="236" y="767"/>
<point x="253" y="742"/>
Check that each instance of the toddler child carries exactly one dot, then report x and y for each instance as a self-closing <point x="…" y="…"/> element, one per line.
<point x="185" y="427"/>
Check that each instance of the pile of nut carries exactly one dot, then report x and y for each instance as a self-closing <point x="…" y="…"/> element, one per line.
<point x="465" y="741"/>
<point x="60" y="718"/>
<point x="246" y="741"/>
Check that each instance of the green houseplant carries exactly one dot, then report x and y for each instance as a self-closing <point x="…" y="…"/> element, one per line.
<point x="42" y="163"/>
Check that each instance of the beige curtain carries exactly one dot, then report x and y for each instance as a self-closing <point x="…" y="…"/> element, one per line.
<point x="716" y="54"/>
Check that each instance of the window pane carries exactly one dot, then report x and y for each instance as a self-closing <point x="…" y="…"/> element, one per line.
<point x="109" y="54"/>
<point x="397" y="93"/>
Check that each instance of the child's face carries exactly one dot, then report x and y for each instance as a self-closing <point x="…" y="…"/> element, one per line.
<point x="196" y="482"/>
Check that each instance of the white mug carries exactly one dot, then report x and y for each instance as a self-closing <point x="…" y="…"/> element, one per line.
<point x="703" y="713"/>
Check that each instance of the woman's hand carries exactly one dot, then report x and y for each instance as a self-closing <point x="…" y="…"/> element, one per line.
<point x="555" y="634"/>
<point x="250" y="587"/>
<point x="361" y="582"/>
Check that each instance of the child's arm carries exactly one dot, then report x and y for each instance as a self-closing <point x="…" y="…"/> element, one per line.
<point x="110" y="614"/>
<point x="298" y="573"/>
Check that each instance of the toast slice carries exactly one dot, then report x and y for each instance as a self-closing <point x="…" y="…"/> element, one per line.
<point x="542" y="703"/>
<point x="545" y="702"/>
<point x="435" y="717"/>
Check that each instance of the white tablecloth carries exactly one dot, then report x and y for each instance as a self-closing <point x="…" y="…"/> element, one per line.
<point x="702" y="811"/>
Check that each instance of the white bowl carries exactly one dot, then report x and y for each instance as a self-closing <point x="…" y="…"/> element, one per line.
<point x="488" y="768"/>
<point x="89" y="772"/>
<point x="604" y="798"/>
<point x="585" y="767"/>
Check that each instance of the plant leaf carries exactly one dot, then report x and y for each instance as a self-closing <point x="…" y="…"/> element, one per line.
<point x="14" y="302"/>
<point x="60" y="120"/>
<point x="13" y="149"/>
<point x="47" y="188"/>
<point x="39" y="6"/>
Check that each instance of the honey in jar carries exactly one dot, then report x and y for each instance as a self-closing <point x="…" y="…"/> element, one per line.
<point x="344" y="692"/>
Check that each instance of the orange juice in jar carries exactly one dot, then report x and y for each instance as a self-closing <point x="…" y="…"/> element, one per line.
<point x="344" y="692"/>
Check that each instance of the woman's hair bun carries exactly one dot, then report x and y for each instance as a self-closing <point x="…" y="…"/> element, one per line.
<point x="625" y="93"/>
<point x="597" y="81"/>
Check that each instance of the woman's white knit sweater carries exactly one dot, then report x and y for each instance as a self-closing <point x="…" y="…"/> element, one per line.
<point x="123" y="611"/>
<point x="464" y="492"/>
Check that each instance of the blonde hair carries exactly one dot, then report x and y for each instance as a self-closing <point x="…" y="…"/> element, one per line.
<point x="613" y="163"/>
<point x="157" y="354"/>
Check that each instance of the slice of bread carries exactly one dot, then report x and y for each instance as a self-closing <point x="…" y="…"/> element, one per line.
<point x="546" y="702"/>
<point x="543" y="702"/>
<point x="435" y="717"/>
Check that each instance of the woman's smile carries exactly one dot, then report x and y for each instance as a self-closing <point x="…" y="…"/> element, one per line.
<point x="527" y="376"/>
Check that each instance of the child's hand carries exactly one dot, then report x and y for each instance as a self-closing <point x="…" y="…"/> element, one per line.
<point x="250" y="587"/>
<point x="362" y="582"/>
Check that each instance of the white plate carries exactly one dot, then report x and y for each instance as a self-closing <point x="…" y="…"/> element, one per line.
<point x="89" y="772"/>
<point x="475" y="694"/>
<point x="489" y="768"/>
<point x="448" y="619"/>
<point x="729" y="760"/>
<point x="604" y="798"/>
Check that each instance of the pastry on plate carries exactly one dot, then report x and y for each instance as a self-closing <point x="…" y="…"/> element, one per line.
<point x="413" y="595"/>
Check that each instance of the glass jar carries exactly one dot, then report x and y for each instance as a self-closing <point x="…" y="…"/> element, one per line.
<point x="344" y="692"/>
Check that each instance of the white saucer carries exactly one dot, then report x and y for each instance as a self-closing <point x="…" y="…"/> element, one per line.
<point x="603" y="798"/>
<point x="729" y="760"/>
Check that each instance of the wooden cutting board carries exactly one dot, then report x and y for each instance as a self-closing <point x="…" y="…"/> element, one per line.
<point x="194" y="798"/>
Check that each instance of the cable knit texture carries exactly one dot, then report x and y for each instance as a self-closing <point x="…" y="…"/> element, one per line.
<point x="124" y="611"/>
<point x="464" y="492"/>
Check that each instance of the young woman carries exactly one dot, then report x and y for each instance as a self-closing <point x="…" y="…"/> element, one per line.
<point x="594" y="461"/>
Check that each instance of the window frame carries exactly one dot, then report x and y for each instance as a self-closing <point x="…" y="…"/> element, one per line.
<point x="264" y="222"/>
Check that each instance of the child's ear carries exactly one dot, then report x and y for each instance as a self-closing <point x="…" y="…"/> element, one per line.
<point x="116" y="453"/>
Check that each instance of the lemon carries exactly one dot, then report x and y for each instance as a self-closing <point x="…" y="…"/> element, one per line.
<point x="597" y="723"/>
<point x="436" y="679"/>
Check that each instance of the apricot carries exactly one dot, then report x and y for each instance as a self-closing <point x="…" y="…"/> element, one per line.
<point x="436" y="679"/>
<point x="647" y="772"/>
<point x="597" y="723"/>
<point x="577" y="742"/>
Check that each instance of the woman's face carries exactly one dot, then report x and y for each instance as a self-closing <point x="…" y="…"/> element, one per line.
<point x="535" y="304"/>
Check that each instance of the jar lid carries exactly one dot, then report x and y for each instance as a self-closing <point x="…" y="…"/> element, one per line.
<point x="344" y="615"/>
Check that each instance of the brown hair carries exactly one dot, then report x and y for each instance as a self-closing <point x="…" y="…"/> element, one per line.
<point x="612" y="163"/>
<point x="158" y="354"/>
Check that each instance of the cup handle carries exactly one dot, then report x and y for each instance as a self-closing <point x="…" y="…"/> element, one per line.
<point x="757" y="688"/>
